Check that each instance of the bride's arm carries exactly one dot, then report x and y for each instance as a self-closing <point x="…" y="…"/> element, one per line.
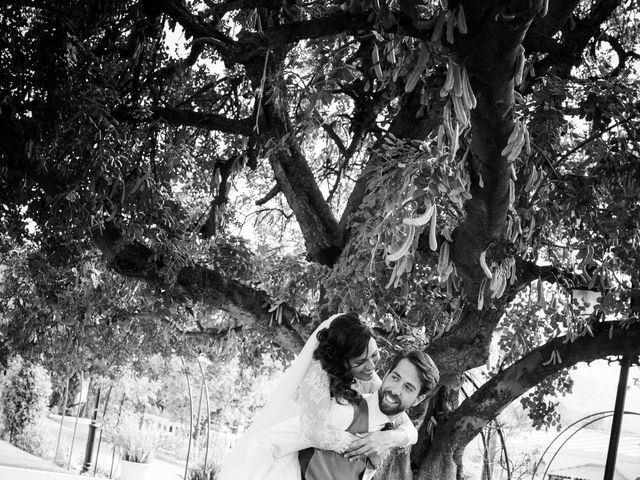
<point x="406" y="432"/>
<point x="377" y="443"/>
<point x="314" y="404"/>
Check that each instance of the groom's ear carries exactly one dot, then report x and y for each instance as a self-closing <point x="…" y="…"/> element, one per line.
<point x="419" y="399"/>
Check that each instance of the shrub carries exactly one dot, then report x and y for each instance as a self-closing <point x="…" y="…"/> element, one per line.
<point x="24" y="399"/>
<point x="198" y="473"/>
<point x="132" y="443"/>
<point x="33" y="440"/>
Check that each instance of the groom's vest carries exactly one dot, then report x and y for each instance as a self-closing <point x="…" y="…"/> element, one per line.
<point x="318" y="464"/>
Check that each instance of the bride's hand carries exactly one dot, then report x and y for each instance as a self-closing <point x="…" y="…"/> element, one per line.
<point x="373" y="443"/>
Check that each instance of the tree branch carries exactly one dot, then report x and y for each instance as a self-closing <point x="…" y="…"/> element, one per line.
<point x="175" y="116"/>
<point x="334" y="23"/>
<point x="291" y="170"/>
<point x="335" y="137"/>
<point x="218" y="10"/>
<point x="529" y="271"/>
<point x="208" y="333"/>
<point x="610" y="338"/>
<point x="539" y="38"/>
<point x="318" y="225"/>
<point x="192" y="24"/>
<point x="576" y="40"/>
<point x="247" y="305"/>
<point x="213" y="333"/>
<point x="275" y="190"/>
<point x="223" y="171"/>
<point x="252" y="44"/>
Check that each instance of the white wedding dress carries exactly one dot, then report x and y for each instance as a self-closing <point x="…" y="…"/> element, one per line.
<point x="300" y="414"/>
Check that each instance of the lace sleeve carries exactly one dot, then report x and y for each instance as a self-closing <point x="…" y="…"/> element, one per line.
<point x="314" y="401"/>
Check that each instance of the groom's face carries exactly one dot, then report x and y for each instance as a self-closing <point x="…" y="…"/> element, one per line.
<point x="400" y="389"/>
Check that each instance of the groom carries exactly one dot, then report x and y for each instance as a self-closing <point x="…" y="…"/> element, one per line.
<point x="411" y="377"/>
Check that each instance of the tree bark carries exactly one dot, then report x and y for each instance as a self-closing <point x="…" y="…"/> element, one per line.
<point x="488" y="53"/>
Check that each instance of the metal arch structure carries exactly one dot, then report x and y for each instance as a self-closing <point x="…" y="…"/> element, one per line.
<point x="186" y="373"/>
<point x="599" y="415"/>
<point x="64" y="409"/>
<point x="208" y="406"/>
<point x="205" y="388"/>
<point x="616" y="424"/>
<point x="104" y="415"/>
<point x="75" y="425"/>
<point x="535" y="469"/>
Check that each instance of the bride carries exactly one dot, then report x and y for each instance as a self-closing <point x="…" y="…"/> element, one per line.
<point x="313" y="404"/>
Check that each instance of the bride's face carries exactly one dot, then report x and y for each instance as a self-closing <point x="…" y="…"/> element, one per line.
<point x="364" y="366"/>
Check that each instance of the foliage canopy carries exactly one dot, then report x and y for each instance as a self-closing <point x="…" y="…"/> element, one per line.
<point x="450" y="169"/>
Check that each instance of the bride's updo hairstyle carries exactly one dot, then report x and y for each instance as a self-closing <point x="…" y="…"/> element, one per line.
<point x="347" y="337"/>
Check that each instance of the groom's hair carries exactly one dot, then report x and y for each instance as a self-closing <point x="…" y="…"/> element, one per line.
<point x="427" y="369"/>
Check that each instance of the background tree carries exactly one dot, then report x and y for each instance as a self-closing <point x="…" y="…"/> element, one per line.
<point x="441" y="164"/>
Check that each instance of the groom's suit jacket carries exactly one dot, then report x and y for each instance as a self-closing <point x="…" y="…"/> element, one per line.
<point x="316" y="464"/>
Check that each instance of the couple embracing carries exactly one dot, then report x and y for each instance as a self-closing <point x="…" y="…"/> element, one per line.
<point x="332" y="417"/>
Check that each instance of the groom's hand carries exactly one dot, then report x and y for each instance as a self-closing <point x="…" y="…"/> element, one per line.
<point x="373" y="443"/>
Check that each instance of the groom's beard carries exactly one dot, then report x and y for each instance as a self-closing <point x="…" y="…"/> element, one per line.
<point x="389" y="403"/>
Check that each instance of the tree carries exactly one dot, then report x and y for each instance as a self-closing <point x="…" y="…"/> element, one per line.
<point x="475" y="152"/>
